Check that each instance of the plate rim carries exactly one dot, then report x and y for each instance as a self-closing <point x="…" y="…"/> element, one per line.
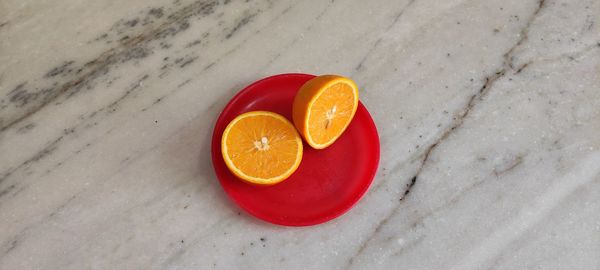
<point x="215" y="155"/>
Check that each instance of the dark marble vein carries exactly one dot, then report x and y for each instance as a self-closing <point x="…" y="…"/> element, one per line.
<point x="427" y="153"/>
<point x="133" y="48"/>
<point x="509" y="56"/>
<point x="222" y="222"/>
<point x="193" y="43"/>
<point x="82" y="76"/>
<point x="19" y="237"/>
<point x="362" y="61"/>
<point x="244" y="41"/>
<point x="457" y="123"/>
<point x="25" y="128"/>
<point x="188" y="61"/>
<point x="135" y="86"/>
<point x="13" y="244"/>
<point x="89" y="122"/>
<point x="376" y="44"/>
<point x="47" y="150"/>
<point x="307" y="29"/>
<point x="52" y="146"/>
<point x="66" y="67"/>
<point x="6" y="190"/>
<point x="509" y="166"/>
<point x="573" y="56"/>
<point x="318" y="18"/>
<point x="184" y="83"/>
<point x="243" y="21"/>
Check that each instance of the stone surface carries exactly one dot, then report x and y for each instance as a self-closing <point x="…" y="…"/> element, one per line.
<point x="488" y="114"/>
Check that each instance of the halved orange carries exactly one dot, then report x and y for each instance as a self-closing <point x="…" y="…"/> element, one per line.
<point x="261" y="147"/>
<point x="323" y="108"/>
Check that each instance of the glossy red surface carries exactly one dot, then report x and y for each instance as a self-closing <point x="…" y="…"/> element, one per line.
<point x="327" y="183"/>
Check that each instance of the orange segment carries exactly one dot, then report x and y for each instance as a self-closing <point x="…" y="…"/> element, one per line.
<point x="323" y="109"/>
<point x="261" y="147"/>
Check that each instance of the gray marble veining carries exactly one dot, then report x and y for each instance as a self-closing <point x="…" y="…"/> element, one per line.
<point x="488" y="114"/>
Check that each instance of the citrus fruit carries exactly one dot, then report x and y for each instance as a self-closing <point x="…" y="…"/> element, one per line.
<point x="261" y="147"/>
<point x="323" y="108"/>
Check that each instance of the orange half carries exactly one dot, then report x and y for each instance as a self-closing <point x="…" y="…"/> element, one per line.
<point x="323" y="109"/>
<point x="261" y="147"/>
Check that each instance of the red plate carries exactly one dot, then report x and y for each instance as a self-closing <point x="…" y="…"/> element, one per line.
<point x="327" y="183"/>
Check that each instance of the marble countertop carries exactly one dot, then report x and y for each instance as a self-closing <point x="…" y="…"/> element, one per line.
<point x="488" y="114"/>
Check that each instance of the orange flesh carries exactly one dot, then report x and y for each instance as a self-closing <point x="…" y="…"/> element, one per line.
<point x="263" y="147"/>
<point x="330" y="113"/>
